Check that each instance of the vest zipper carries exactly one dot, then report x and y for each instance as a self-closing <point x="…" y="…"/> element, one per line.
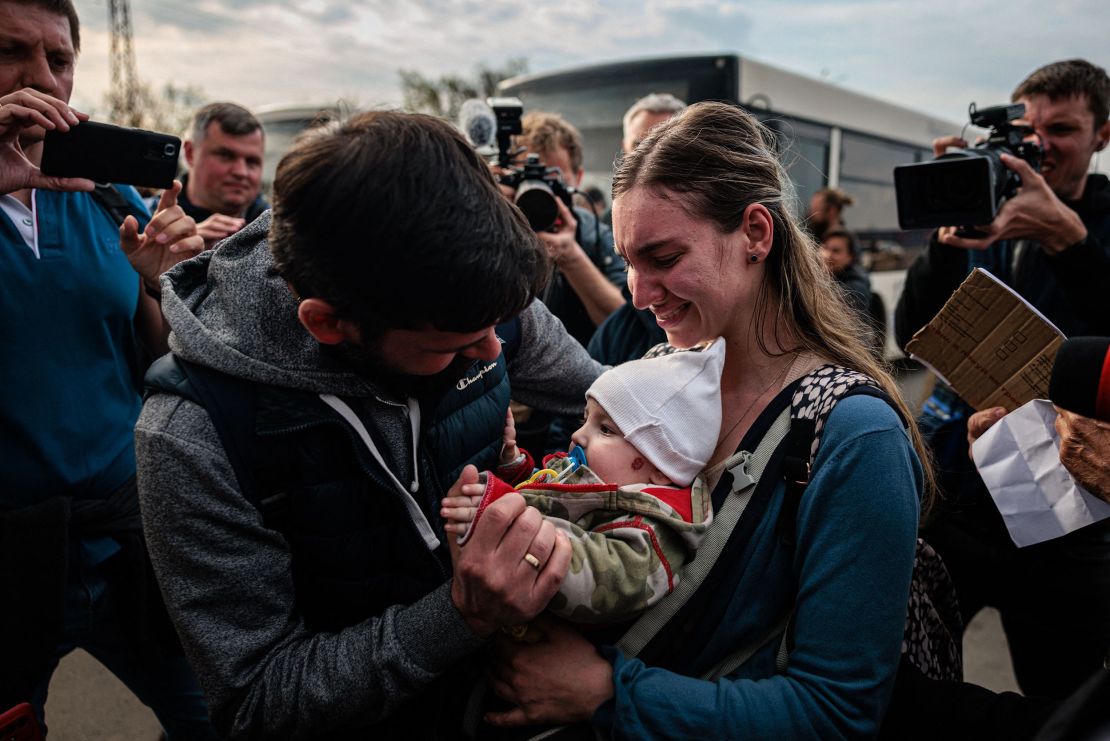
<point x="424" y="527"/>
<point x="370" y="472"/>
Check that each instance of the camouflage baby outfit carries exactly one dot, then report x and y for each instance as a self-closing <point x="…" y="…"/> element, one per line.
<point x="629" y="542"/>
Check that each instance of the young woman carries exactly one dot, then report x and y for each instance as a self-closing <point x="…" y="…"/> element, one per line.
<point x="701" y="216"/>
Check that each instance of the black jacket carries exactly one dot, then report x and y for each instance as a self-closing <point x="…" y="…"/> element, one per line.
<point x="199" y="214"/>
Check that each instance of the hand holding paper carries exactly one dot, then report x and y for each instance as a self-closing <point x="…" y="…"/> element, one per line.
<point x="1019" y="460"/>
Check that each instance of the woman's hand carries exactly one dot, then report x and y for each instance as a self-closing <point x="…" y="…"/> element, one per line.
<point x="560" y="679"/>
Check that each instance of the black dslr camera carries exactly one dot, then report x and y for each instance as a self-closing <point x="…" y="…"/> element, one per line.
<point x="536" y="186"/>
<point x="966" y="187"/>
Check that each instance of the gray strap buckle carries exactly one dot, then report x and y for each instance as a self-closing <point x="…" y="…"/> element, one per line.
<point x="741" y="479"/>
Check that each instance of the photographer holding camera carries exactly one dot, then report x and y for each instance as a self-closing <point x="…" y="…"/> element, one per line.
<point x="1051" y="243"/>
<point x="586" y="285"/>
<point x="1057" y="227"/>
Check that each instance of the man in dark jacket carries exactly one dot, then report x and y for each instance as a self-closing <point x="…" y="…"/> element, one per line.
<point x="1051" y="243"/>
<point x="1056" y="231"/>
<point x="357" y="329"/>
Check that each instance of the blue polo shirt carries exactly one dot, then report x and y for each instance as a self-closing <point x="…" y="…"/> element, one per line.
<point x="68" y="400"/>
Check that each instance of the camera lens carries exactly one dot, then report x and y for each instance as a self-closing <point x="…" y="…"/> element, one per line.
<point x="170" y="150"/>
<point x="537" y="201"/>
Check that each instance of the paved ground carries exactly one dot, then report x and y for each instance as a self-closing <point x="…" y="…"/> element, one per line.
<point x="87" y="702"/>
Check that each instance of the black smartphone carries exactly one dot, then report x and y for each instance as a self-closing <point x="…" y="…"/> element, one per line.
<point x="105" y="153"/>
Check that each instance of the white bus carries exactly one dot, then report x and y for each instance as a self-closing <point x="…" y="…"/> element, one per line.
<point x="282" y="124"/>
<point x="829" y="136"/>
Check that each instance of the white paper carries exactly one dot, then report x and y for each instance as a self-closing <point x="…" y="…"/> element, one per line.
<point x="1019" y="460"/>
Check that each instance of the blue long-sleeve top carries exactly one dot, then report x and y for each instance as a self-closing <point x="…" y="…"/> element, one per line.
<point x="856" y="535"/>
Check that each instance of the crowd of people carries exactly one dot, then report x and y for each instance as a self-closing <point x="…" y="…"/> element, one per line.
<point x="277" y="504"/>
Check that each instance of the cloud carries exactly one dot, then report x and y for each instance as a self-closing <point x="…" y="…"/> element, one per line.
<point x="934" y="57"/>
<point x="716" y="25"/>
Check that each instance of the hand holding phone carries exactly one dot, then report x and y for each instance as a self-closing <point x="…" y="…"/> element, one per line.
<point x="105" y="153"/>
<point x="24" y="115"/>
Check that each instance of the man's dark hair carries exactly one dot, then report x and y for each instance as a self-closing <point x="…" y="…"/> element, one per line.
<point x="836" y="198"/>
<point x="595" y="195"/>
<point x="234" y="120"/>
<point x="397" y="222"/>
<point x="1069" y="78"/>
<point x="59" y="7"/>
<point x="844" y="234"/>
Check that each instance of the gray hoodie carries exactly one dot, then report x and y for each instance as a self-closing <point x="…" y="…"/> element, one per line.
<point x="226" y="578"/>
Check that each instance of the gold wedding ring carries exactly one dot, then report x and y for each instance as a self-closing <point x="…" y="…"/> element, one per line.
<point x="532" y="560"/>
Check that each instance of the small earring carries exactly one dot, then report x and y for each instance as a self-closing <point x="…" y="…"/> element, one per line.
<point x="754" y="258"/>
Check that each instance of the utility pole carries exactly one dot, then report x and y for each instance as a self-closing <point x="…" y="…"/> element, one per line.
<point x="124" y="89"/>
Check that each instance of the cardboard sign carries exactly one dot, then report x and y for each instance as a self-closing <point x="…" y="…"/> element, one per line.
<point x="989" y="344"/>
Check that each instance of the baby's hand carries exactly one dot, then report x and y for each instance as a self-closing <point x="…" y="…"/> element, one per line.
<point x="509" y="451"/>
<point x="459" y="511"/>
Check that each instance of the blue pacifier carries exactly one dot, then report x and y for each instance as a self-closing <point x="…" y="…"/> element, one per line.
<point x="576" y="457"/>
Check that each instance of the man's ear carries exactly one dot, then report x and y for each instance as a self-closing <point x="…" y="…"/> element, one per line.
<point x="1103" y="136"/>
<point x="187" y="148"/>
<point x="322" y="322"/>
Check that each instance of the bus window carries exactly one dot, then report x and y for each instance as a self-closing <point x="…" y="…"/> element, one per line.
<point x="867" y="174"/>
<point x="804" y="150"/>
<point x="872" y="159"/>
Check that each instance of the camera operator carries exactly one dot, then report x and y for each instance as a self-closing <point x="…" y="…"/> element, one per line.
<point x="1051" y="243"/>
<point x="76" y="315"/>
<point x="1053" y="238"/>
<point x="586" y="285"/>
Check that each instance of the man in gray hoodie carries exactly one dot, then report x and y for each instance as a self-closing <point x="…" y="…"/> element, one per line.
<point x="367" y="332"/>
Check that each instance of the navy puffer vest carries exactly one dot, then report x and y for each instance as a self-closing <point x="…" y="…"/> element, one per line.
<point x="355" y="549"/>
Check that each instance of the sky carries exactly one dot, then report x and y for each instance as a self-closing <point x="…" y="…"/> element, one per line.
<point x="932" y="56"/>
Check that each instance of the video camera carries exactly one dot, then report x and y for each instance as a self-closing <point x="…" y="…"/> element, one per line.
<point x="536" y="186"/>
<point x="966" y="187"/>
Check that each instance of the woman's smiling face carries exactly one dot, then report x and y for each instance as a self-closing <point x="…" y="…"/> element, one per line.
<point x="693" y="278"/>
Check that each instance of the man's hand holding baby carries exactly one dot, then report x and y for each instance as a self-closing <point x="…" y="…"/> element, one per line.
<point x="513" y="563"/>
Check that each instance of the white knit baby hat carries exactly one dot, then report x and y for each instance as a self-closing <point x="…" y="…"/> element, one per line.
<point x="668" y="407"/>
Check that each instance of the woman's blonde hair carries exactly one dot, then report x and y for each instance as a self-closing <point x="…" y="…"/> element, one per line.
<point x="719" y="160"/>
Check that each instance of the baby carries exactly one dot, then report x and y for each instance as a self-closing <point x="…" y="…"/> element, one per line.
<point x="628" y="495"/>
